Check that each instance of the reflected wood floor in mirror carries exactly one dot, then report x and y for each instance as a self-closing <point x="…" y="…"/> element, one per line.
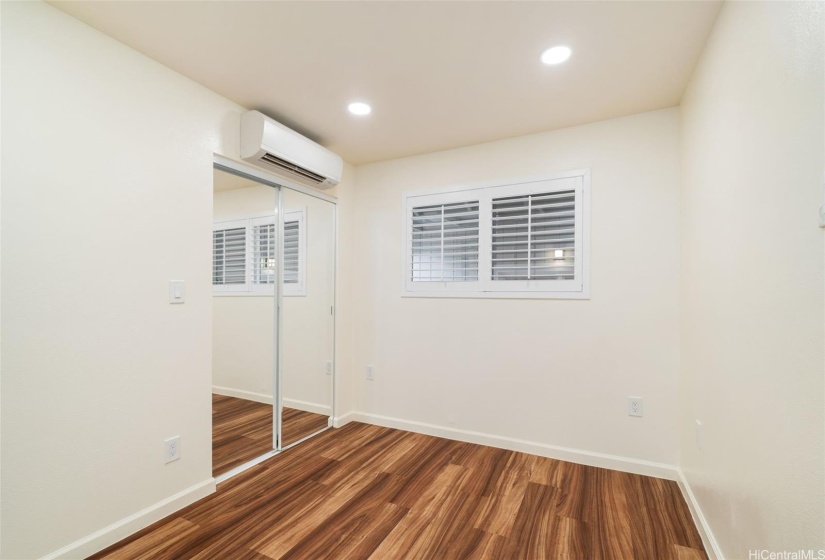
<point x="242" y="430"/>
<point x="298" y="424"/>
<point x="363" y="491"/>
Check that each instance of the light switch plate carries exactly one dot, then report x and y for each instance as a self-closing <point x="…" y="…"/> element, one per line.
<point x="177" y="291"/>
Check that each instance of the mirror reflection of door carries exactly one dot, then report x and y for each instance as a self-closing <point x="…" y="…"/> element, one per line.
<point x="307" y="317"/>
<point x="243" y="320"/>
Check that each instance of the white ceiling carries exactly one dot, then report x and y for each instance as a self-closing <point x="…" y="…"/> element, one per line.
<point x="438" y="74"/>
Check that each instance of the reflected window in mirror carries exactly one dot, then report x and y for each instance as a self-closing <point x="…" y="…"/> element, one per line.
<point x="229" y="256"/>
<point x="244" y="255"/>
<point x="295" y="253"/>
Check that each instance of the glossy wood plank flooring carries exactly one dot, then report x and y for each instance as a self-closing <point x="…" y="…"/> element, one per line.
<point x="242" y="430"/>
<point x="367" y="492"/>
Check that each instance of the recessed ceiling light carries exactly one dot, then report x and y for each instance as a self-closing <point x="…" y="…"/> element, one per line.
<point x="359" y="108"/>
<point x="556" y="55"/>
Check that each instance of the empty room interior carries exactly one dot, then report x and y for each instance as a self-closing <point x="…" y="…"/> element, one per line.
<point x="412" y="280"/>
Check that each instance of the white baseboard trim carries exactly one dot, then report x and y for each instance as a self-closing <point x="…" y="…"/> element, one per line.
<point x="711" y="546"/>
<point x="239" y="394"/>
<point x="343" y="420"/>
<point x="615" y="462"/>
<point x="119" y="530"/>
<point x="308" y="406"/>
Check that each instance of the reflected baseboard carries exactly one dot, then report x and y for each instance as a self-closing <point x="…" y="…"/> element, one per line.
<point x="238" y="393"/>
<point x="308" y="406"/>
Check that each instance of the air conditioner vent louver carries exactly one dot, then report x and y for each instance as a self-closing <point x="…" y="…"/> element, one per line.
<point x="285" y="165"/>
<point x="286" y="153"/>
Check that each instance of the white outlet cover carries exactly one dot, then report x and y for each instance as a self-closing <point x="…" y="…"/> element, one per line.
<point x="171" y="449"/>
<point x="371" y="372"/>
<point x="697" y="434"/>
<point x="635" y="406"/>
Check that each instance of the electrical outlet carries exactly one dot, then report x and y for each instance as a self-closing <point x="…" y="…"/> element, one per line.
<point x="634" y="406"/>
<point x="697" y="434"/>
<point x="328" y="368"/>
<point x="371" y="373"/>
<point x="171" y="449"/>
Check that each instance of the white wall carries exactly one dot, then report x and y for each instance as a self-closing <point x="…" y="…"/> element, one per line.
<point x="107" y="195"/>
<point x="753" y="342"/>
<point x="547" y="371"/>
<point x="243" y="327"/>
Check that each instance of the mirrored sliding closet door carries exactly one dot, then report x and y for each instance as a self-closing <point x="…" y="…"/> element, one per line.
<point x="307" y="319"/>
<point x="273" y="298"/>
<point x="244" y="280"/>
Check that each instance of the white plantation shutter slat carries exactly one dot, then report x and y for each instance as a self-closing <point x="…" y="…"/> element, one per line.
<point x="445" y="242"/>
<point x="264" y="254"/>
<point x="543" y="222"/>
<point x="229" y="256"/>
<point x="292" y="231"/>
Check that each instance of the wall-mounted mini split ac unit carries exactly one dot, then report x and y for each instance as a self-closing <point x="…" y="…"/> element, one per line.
<point x="271" y="145"/>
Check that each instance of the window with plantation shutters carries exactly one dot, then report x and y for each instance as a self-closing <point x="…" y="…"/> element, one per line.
<point x="533" y="236"/>
<point x="445" y="242"/>
<point x="520" y="239"/>
<point x="245" y="253"/>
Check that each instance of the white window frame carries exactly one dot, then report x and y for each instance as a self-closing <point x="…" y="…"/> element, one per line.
<point x="578" y="288"/>
<point x="250" y="288"/>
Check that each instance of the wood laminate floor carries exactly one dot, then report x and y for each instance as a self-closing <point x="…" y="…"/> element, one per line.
<point x="242" y="430"/>
<point x="367" y="492"/>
